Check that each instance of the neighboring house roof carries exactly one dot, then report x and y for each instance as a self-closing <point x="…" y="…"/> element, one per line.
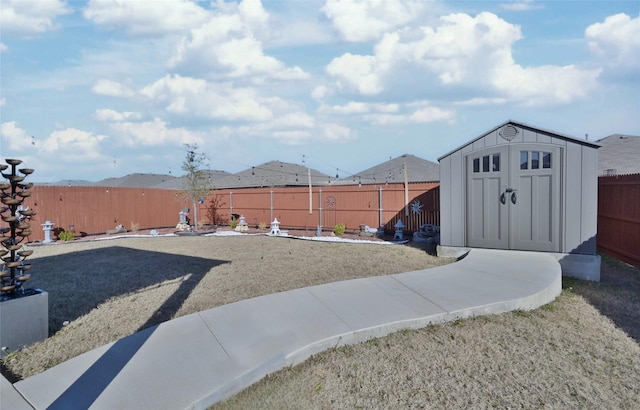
<point x="392" y="171"/>
<point x="135" y="181"/>
<point x="278" y="174"/>
<point x="179" y="182"/>
<point x="272" y="174"/>
<point x="619" y="155"/>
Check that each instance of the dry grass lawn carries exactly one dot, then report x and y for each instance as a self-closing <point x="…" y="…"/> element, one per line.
<point x="581" y="351"/>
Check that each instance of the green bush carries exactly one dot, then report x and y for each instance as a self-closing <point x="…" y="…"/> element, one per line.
<point x="66" y="236"/>
<point x="234" y="223"/>
<point x="339" y="229"/>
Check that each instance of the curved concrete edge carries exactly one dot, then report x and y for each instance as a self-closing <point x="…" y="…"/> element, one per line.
<point x="547" y="291"/>
<point x="201" y="359"/>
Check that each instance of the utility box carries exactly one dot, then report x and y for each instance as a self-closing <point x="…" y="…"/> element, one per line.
<point x="523" y="188"/>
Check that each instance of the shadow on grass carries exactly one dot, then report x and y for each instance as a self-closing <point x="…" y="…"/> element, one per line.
<point x="80" y="281"/>
<point x="616" y="296"/>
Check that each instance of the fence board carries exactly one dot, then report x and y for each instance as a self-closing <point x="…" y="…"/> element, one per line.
<point x="619" y="216"/>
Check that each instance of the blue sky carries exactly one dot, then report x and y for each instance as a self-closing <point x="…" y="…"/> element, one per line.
<point x="104" y="88"/>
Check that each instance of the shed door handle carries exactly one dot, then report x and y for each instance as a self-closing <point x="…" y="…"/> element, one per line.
<point x="503" y="198"/>
<point x="514" y="198"/>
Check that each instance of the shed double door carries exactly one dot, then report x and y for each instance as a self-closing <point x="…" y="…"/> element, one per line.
<point x="513" y="197"/>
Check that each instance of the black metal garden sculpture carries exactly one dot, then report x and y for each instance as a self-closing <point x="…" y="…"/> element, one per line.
<point x="14" y="271"/>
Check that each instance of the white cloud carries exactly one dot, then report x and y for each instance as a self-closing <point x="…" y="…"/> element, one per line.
<point x="320" y="92"/>
<point x="28" y="17"/>
<point x="546" y="84"/>
<point x="292" y="137"/>
<point x="423" y="114"/>
<point x="356" y="71"/>
<point x="431" y="114"/>
<point x="478" y="101"/>
<point x="154" y="133"/>
<point x="364" y="20"/>
<point x="293" y="120"/>
<point x="3" y="102"/>
<point x="107" y="115"/>
<point x="521" y="5"/>
<point x="112" y="89"/>
<point x="334" y="132"/>
<point x="14" y="137"/>
<point x="196" y="97"/>
<point x="82" y="144"/>
<point x="3" y="47"/>
<point x="462" y="51"/>
<point x="226" y="46"/>
<point x="146" y="17"/>
<point x="616" y="41"/>
<point x="354" y="107"/>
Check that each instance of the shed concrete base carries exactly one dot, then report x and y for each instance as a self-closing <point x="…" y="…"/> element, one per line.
<point x="585" y="267"/>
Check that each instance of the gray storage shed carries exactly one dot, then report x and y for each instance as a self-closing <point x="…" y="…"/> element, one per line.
<point x="522" y="188"/>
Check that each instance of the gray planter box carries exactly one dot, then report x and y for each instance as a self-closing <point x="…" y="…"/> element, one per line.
<point x="24" y="321"/>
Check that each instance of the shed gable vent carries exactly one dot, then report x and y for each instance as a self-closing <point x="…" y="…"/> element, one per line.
<point x="508" y="132"/>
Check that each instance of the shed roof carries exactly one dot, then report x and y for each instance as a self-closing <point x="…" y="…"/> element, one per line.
<point x="619" y="155"/>
<point x="528" y="127"/>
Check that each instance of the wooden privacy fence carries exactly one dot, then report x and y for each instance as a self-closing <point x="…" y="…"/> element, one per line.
<point x="619" y="216"/>
<point x="353" y="205"/>
<point x="94" y="210"/>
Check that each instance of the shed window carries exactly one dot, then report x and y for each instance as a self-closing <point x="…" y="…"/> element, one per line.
<point x="524" y="159"/>
<point x="485" y="163"/>
<point x="535" y="160"/>
<point x="546" y="160"/>
<point x="476" y="165"/>
<point x="496" y="162"/>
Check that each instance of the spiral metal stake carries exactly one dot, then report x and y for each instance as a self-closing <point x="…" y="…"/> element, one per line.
<point x="14" y="270"/>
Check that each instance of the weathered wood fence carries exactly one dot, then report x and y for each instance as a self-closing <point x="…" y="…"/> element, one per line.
<point x="619" y="217"/>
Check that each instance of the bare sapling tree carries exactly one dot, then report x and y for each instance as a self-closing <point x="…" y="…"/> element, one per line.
<point x="197" y="183"/>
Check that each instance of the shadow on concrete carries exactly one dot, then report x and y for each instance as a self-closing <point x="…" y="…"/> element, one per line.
<point x="80" y="281"/>
<point x="86" y="389"/>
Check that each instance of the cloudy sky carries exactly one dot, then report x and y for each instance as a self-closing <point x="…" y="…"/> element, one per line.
<point x="102" y="88"/>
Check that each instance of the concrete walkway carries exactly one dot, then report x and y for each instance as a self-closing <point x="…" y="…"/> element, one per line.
<point x="200" y="359"/>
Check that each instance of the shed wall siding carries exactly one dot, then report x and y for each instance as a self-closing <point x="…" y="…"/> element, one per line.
<point x="446" y="228"/>
<point x="589" y="212"/>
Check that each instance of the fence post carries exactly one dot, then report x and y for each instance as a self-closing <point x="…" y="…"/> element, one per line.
<point x="380" y="208"/>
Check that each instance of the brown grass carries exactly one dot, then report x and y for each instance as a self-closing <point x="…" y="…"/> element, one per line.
<point x="106" y="290"/>
<point x="577" y="352"/>
<point x="566" y="355"/>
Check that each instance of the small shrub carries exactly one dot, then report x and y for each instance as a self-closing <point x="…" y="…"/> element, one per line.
<point x="66" y="236"/>
<point x="135" y="227"/>
<point x="339" y="229"/>
<point x="262" y="226"/>
<point x="234" y="223"/>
